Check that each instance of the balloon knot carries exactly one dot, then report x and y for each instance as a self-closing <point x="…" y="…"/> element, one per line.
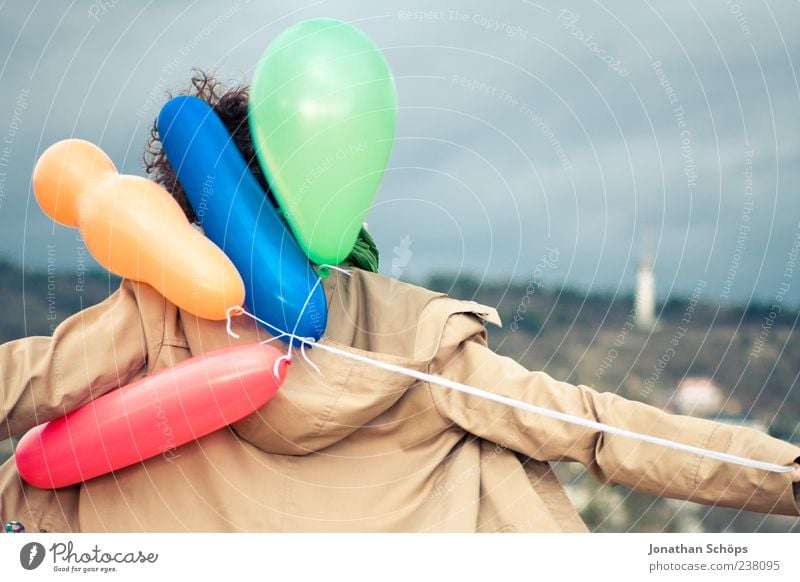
<point x="279" y="368"/>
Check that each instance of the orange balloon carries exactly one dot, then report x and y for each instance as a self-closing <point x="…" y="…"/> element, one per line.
<point x="135" y="229"/>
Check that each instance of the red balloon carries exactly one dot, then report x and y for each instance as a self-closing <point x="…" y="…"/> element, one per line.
<point x="151" y="416"/>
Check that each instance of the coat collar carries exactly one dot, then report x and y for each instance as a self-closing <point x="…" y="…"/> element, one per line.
<point x="368" y="314"/>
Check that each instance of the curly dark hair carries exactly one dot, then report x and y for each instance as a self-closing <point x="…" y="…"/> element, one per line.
<point x="230" y="104"/>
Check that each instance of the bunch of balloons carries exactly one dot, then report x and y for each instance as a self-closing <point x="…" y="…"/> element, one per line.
<point x="322" y="112"/>
<point x="236" y="214"/>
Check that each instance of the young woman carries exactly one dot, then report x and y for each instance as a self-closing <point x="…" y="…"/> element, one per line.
<point x="355" y="447"/>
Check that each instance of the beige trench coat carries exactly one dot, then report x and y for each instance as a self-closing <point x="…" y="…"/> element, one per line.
<point x="358" y="448"/>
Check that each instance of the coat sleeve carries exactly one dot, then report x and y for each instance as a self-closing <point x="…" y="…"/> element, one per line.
<point x="610" y="458"/>
<point x="90" y="353"/>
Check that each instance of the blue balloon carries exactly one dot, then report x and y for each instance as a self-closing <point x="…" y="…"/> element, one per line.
<point x="237" y="216"/>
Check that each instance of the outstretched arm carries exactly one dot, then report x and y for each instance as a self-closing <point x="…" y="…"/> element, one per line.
<point x="90" y="353"/>
<point x="610" y="458"/>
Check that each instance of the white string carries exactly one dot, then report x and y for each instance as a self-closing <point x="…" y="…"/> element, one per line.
<point x="557" y="415"/>
<point x="238" y="310"/>
<point x="572" y="419"/>
<point x="307" y="359"/>
<point x="299" y="317"/>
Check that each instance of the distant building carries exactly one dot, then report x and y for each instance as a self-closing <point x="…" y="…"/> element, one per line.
<point x="698" y="396"/>
<point x="645" y="294"/>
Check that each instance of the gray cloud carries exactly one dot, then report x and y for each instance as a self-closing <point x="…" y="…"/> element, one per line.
<point x="513" y="134"/>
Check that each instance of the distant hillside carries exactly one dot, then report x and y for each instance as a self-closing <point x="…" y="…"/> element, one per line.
<point x="583" y="339"/>
<point x="35" y="302"/>
<point x="571" y="336"/>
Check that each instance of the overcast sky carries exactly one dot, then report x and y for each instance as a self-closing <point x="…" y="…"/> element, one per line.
<point x="594" y="130"/>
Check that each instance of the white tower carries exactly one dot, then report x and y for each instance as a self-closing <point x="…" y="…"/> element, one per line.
<point x="645" y="294"/>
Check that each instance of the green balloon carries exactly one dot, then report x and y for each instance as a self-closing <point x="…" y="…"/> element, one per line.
<point x="323" y="110"/>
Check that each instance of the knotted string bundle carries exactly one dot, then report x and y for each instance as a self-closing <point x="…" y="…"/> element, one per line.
<point x="505" y="400"/>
